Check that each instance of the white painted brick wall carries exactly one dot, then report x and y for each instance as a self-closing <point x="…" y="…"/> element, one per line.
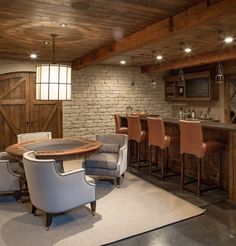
<point x="100" y="91"/>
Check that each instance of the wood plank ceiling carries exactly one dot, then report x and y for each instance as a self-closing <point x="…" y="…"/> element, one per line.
<point x="26" y="25"/>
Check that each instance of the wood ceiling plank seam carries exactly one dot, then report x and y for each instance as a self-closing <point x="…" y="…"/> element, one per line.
<point x="131" y="5"/>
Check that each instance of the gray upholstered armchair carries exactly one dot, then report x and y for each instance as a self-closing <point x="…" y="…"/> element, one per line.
<point x="55" y="192"/>
<point x="33" y="136"/>
<point x="111" y="159"/>
<point x="9" y="180"/>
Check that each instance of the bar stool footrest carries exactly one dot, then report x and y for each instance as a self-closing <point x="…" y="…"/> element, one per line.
<point x="194" y="188"/>
<point x="142" y="164"/>
<point x="157" y="173"/>
<point x="190" y="182"/>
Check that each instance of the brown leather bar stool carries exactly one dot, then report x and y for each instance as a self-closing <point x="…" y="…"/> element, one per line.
<point x="191" y="142"/>
<point x="136" y="134"/>
<point x="119" y="128"/>
<point x="158" y="139"/>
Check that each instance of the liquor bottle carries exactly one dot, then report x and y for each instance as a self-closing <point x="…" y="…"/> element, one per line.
<point x="189" y="113"/>
<point x="181" y="113"/>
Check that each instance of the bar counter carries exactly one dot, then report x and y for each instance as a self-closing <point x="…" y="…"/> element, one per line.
<point x="205" y="123"/>
<point x="225" y="133"/>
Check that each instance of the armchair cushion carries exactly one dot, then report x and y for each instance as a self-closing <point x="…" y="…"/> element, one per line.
<point x="109" y="148"/>
<point x="103" y="161"/>
<point x="111" y="160"/>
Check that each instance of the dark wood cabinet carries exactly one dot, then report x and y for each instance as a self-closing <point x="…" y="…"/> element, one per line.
<point x="20" y="112"/>
<point x="197" y="86"/>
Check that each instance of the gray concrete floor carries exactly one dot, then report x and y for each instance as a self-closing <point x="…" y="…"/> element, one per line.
<point x="216" y="227"/>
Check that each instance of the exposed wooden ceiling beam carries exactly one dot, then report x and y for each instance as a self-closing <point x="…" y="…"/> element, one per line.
<point x="191" y="17"/>
<point x="201" y="59"/>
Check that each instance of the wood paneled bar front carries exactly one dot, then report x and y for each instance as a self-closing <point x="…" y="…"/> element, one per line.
<point x="226" y="134"/>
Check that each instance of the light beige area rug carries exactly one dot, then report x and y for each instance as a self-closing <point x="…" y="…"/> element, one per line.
<point x="136" y="207"/>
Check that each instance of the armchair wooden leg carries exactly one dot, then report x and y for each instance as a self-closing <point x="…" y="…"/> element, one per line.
<point x="123" y="175"/>
<point x="93" y="207"/>
<point x="118" y="181"/>
<point x="48" y="220"/>
<point x="17" y="195"/>
<point x="33" y="210"/>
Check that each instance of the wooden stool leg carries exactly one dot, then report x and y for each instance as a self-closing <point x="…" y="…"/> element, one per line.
<point x="150" y="160"/>
<point x="156" y="156"/>
<point x="138" y="154"/>
<point x="199" y="167"/>
<point x="182" y="171"/>
<point x="145" y="151"/>
<point x="167" y="160"/>
<point x="136" y="151"/>
<point x="221" y="170"/>
<point x="162" y="164"/>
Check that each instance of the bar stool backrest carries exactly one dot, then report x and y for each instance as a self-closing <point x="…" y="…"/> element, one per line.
<point x="117" y="122"/>
<point x="156" y="132"/>
<point x="191" y="138"/>
<point x="134" y="128"/>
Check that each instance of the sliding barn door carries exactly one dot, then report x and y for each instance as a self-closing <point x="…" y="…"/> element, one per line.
<point x="20" y="112"/>
<point x="14" y="107"/>
<point x="44" y="115"/>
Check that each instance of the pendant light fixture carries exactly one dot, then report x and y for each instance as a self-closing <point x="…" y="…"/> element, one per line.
<point x="132" y="76"/>
<point x="219" y="78"/>
<point x="53" y="81"/>
<point x="181" y="80"/>
<point x="154" y="82"/>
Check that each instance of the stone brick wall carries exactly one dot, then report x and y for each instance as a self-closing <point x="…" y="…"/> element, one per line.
<point x="100" y="91"/>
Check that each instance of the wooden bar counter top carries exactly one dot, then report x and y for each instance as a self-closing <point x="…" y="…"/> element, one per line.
<point x="225" y="133"/>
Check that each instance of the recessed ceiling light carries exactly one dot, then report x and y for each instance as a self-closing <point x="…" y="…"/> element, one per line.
<point x="63" y="24"/>
<point x="228" y="40"/>
<point x="187" y="50"/>
<point x="33" y="56"/>
<point x="46" y="43"/>
<point x="159" y="57"/>
<point x="123" y="62"/>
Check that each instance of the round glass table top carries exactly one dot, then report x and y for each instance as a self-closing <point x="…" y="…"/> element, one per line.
<point x="57" y="148"/>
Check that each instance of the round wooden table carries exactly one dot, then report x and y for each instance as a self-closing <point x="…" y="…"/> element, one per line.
<point x="58" y="148"/>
